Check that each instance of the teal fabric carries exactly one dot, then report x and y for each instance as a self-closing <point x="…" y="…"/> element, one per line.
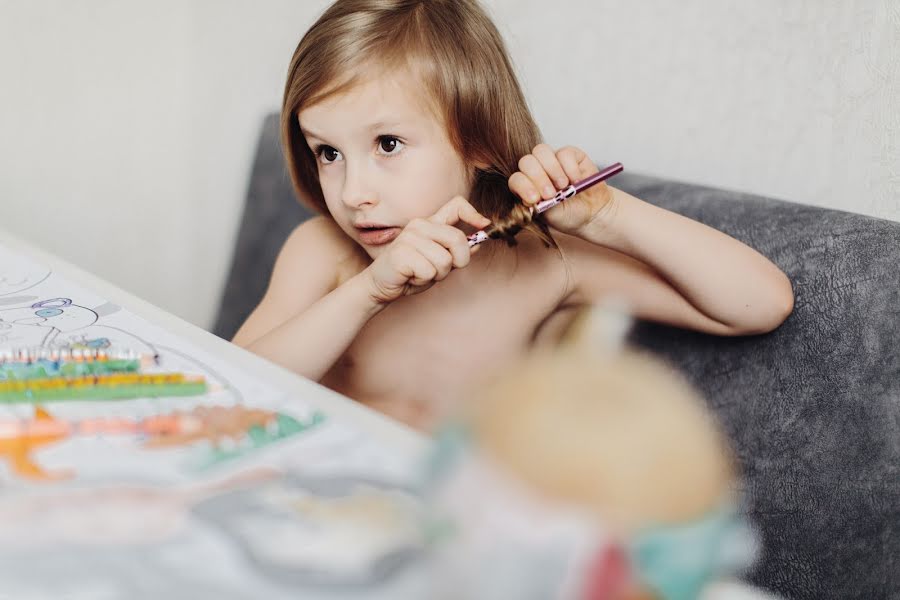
<point x="678" y="561"/>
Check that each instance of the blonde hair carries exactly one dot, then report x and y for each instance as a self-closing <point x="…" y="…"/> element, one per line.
<point x="612" y="429"/>
<point x="456" y="51"/>
<point x="624" y="435"/>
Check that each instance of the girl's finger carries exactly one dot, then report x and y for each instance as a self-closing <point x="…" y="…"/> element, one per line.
<point x="532" y="167"/>
<point x="458" y="209"/>
<point x="417" y="268"/>
<point x="551" y="165"/>
<point x="523" y="187"/>
<point x="575" y="163"/>
<point x="448" y="237"/>
<point x="435" y="254"/>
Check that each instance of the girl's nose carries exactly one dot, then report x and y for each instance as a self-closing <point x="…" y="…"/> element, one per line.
<point x="358" y="188"/>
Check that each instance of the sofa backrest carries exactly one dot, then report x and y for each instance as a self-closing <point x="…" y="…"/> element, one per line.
<point x="271" y="212"/>
<point x="813" y="408"/>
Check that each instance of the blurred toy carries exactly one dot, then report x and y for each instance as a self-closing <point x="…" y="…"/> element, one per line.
<point x="585" y="472"/>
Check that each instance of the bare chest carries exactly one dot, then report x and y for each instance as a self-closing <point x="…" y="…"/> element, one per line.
<point x="424" y="352"/>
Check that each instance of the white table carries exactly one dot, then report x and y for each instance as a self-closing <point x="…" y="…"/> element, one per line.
<point x="144" y="570"/>
<point x="391" y="432"/>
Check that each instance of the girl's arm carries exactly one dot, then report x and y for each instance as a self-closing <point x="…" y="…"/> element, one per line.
<point x="310" y="342"/>
<point x="675" y="270"/>
<point x="306" y="321"/>
<point x="667" y="267"/>
<point x="309" y="317"/>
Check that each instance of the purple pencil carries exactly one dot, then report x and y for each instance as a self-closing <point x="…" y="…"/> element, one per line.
<point x="602" y="175"/>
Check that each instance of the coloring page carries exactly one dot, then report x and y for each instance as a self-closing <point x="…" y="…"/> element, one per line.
<point x="242" y="491"/>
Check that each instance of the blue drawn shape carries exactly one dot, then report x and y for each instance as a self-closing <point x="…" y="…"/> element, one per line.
<point x="53" y="303"/>
<point x="98" y="343"/>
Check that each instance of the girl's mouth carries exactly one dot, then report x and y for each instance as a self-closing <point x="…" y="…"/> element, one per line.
<point x="378" y="236"/>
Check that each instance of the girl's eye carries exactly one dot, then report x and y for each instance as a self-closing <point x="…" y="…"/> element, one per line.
<point x="326" y="154"/>
<point x="389" y="145"/>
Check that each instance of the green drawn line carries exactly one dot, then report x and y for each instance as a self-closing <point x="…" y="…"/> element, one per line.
<point x="99" y="392"/>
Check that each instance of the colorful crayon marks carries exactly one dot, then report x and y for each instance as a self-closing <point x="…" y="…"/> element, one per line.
<point x="115" y="386"/>
<point x="27" y="356"/>
<point x="41" y="363"/>
<point x="37" y="375"/>
<point x="45" y="368"/>
<point x="278" y="427"/>
<point x="220" y="434"/>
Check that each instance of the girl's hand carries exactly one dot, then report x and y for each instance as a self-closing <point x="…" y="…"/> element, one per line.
<point x="543" y="173"/>
<point x="425" y="252"/>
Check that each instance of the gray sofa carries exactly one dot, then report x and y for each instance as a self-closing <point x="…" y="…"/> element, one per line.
<point x="812" y="409"/>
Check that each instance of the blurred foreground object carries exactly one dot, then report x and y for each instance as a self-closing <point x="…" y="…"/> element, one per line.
<point x="585" y="472"/>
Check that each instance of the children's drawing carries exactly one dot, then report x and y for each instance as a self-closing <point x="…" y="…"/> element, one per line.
<point x="226" y="433"/>
<point x="40" y="323"/>
<point x="114" y="482"/>
<point x="163" y="438"/>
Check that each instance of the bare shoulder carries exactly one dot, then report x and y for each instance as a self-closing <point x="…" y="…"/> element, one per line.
<point x="314" y="249"/>
<point x="319" y="236"/>
<point x="312" y="262"/>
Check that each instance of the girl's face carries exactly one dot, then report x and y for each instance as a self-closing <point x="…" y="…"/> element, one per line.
<point x="383" y="158"/>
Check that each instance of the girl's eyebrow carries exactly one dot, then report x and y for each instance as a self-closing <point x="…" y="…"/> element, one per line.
<point x="370" y="128"/>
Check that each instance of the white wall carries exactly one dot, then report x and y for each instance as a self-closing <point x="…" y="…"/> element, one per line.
<point x="127" y="128"/>
<point x="128" y="131"/>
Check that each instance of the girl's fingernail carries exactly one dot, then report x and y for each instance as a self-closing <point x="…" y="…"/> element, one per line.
<point x="549" y="191"/>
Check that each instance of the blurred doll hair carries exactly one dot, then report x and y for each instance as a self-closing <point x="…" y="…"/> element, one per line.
<point x="611" y="429"/>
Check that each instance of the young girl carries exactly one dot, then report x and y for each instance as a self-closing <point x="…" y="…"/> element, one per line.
<point x="404" y="125"/>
